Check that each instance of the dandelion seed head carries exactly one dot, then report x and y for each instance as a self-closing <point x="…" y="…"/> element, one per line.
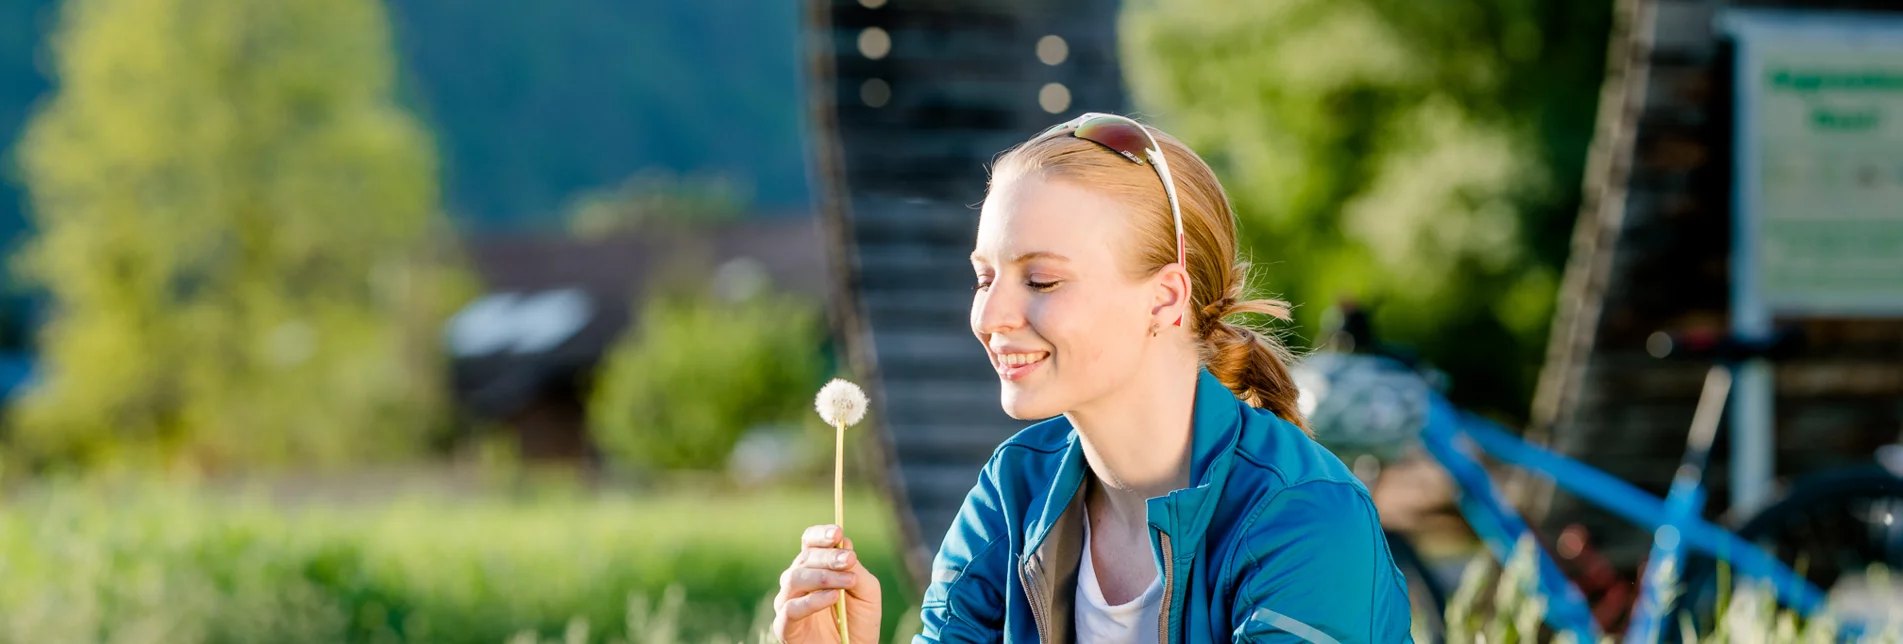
<point x="841" y="403"/>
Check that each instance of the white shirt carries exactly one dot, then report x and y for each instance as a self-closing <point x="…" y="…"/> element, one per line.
<point x="1097" y="621"/>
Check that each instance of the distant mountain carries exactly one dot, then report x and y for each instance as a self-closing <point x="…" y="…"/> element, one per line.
<point x="533" y="103"/>
<point x="23" y="25"/>
<point x="22" y="29"/>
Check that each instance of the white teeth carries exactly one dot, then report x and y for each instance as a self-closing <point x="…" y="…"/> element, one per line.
<point x="1020" y="359"/>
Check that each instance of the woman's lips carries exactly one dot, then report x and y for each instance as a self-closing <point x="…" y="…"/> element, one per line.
<point x="1016" y="365"/>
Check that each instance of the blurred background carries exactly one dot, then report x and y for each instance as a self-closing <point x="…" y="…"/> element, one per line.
<point x="454" y="320"/>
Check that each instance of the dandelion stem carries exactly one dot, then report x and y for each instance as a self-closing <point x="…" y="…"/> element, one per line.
<point x="839" y="511"/>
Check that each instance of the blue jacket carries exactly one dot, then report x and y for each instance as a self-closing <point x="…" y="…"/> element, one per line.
<point x="1274" y="541"/>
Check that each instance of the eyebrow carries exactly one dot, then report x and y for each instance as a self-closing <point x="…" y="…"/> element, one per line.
<point x="1036" y="254"/>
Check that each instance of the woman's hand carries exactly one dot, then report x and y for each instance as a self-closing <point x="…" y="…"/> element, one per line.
<point x="825" y="567"/>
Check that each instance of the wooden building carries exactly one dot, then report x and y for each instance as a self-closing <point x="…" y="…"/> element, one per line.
<point x="1652" y="250"/>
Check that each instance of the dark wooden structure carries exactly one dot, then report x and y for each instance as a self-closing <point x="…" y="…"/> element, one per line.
<point x="1650" y="252"/>
<point x="910" y="100"/>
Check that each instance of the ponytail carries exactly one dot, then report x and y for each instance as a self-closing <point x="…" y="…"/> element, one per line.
<point x="1251" y="363"/>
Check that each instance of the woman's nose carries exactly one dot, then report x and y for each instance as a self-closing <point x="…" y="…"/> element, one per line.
<point x="995" y="311"/>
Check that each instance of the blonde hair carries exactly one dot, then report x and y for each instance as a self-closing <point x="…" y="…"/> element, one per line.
<point x="1251" y="363"/>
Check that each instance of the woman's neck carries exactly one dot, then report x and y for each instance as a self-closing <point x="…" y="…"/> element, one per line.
<point x="1137" y="442"/>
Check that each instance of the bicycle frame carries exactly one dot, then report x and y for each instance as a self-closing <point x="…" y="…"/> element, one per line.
<point x="1674" y="521"/>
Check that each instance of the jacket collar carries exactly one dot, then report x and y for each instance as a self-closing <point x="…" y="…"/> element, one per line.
<point x="1214" y="429"/>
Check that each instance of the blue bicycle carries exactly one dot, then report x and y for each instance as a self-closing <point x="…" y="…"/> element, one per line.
<point x="1361" y="404"/>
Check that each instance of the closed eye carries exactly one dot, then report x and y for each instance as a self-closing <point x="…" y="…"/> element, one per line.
<point x="1041" y="287"/>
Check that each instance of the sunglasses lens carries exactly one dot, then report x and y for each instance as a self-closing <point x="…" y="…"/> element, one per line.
<point x="1127" y="138"/>
<point x="1124" y="137"/>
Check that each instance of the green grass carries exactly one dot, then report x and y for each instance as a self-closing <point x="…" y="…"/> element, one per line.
<point x="166" y="564"/>
<point x="1499" y="605"/>
<point x="153" y="563"/>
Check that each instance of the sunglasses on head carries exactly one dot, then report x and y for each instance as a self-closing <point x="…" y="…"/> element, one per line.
<point x="1126" y="137"/>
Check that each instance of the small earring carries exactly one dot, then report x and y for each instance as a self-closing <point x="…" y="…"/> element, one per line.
<point x="1153" y="328"/>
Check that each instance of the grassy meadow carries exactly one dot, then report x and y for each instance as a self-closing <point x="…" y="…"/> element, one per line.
<point x="135" y="564"/>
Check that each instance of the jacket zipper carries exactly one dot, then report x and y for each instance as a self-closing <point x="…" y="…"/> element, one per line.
<point x="1169" y="581"/>
<point x="1033" y="583"/>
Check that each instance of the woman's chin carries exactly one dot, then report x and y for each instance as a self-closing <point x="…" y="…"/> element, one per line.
<point x="1021" y="404"/>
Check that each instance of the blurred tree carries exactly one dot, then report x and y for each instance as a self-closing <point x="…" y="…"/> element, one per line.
<point x="1422" y="158"/>
<point x="681" y="387"/>
<point x="235" y="225"/>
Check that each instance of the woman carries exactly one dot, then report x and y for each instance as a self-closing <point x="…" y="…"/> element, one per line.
<point x="1174" y="494"/>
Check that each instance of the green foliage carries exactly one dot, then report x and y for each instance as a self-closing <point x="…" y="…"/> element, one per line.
<point x="1511" y="613"/>
<point x="165" y="564"/>
<point x="1502" y="605"/>
<point x="233" y="223"/>
<point x="1419" y="157"/>
<point x="679" y="389"/>
<point x="531" y="103"/>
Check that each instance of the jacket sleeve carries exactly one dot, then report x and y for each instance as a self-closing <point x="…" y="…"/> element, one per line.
<point x="965" y="600"/>
<point x="1316" y="569"/>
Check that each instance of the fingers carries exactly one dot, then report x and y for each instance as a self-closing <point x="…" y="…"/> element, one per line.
<point x="800" y="581"/>
<point x="825" y="536"/>
<point x="826" y="558"/>
<point x="825" y="567"/>
<point x="821" y="536"/>
<point x="804" y="606"/>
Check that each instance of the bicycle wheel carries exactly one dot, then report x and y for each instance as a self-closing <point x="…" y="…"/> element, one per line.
<point x="1426" y="600"/>
<point x="1832" y="528"/>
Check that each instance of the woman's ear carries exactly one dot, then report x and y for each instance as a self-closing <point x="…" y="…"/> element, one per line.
<point x="1170" y="299"/>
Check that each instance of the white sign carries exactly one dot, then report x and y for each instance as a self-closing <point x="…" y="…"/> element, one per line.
<point x="1820" y="169"/>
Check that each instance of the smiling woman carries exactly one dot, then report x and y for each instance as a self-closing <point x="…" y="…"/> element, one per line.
<point x="1173" y="494"/>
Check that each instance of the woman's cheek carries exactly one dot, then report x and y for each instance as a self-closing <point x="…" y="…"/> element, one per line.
<point x="1063" y="319"/>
